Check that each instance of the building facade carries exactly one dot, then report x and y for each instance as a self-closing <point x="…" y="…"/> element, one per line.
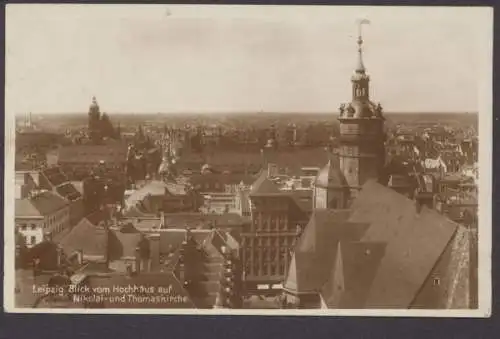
<point x="267" y="242"/>
<point x="40" y="216"/>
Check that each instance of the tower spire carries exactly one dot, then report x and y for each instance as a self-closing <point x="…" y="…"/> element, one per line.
<point x="361" y="67"/>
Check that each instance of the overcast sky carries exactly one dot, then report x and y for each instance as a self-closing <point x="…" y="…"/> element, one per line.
<point x="238" y="58"/>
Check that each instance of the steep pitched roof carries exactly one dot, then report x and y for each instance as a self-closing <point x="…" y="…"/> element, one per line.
<point x="330" y="176"/>
<point x="87" y="237"/>
<point x="356" y="266"/>
<point x="41" y="204"/>
<point x="415" y="242"/>
<point x="24" y="208"/>
<point x="264" y="187"/>
<point x="317" y="248"/>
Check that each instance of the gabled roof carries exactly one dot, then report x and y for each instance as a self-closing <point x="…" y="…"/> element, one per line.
<point x="317" y="248"/>
<point x="415" y="242"/>
<point x="40" y="204"/>
<point x="404" y="245"/>
<point x="85" y="236"/>
<point x="264" y="187"/>
<point x="357" y="264"/>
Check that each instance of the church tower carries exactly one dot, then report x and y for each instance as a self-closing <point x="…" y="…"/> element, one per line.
<point x="94" y="122"/>
<point x="362" y="136"/>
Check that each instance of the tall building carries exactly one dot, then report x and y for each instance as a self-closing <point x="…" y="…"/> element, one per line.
<point x="94" y="121"/>
<point x="362" y="136"/>
<point x="268" y="241"/>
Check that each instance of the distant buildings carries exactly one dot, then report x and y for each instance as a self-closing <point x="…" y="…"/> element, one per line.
<point x="78" y="161"/>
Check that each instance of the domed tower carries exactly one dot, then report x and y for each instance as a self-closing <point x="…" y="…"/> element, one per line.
<point x="362" y="136"/>
<point x="331" y="189"/>
<point x="94" y="121"/>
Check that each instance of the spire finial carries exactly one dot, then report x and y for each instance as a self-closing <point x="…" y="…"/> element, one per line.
<point x="361" y="67"/>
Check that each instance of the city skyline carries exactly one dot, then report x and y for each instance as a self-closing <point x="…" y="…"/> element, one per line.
<point x="238" y="58"/>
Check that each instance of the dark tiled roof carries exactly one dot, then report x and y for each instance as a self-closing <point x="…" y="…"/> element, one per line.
<point x="40" y="204"/>
<point x="353" y="272"/>
<point x="415" y="242"/>
<point x="316" y="248"/>
<point x="387" y="251"/>
<point x="55" y="176"/>
<point x="68" y="191"/>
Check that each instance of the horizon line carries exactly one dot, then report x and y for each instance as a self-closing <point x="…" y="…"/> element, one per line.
<point x="241" y="112"/>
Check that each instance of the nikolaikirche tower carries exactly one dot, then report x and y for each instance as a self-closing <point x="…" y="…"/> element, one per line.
<point x="362" y="136"/>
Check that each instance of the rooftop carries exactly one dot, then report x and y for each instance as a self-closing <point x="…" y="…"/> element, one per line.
<point x="40" y="204"/>
<point x="379" y="253"/>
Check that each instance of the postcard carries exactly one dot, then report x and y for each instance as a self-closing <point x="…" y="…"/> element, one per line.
<point x="248" y="160"/>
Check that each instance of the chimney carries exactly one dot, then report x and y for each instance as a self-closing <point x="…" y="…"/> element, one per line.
<point x="163" y="223"/>
<point x="154" y="243"/>
<point x="137" y="260"/>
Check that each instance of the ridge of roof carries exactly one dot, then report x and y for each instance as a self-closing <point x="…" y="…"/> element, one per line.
<point x="263" y="186"/>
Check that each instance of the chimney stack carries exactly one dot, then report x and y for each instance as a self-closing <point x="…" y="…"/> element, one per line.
<point x="163" y="223"/>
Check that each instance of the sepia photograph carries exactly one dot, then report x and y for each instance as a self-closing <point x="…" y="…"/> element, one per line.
<point x="248" y="160"/>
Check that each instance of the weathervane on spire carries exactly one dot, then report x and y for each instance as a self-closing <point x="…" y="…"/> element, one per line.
<point x="361" y="22"/>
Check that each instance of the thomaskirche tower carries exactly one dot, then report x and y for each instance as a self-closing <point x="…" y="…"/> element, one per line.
<point x="362" y="136"/>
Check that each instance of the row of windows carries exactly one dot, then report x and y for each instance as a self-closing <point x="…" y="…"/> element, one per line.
<point x="25" y="227"/>
<point x="265" y="269"/>
<point x="267" y="242"/>
<point x="267" y="255"/>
